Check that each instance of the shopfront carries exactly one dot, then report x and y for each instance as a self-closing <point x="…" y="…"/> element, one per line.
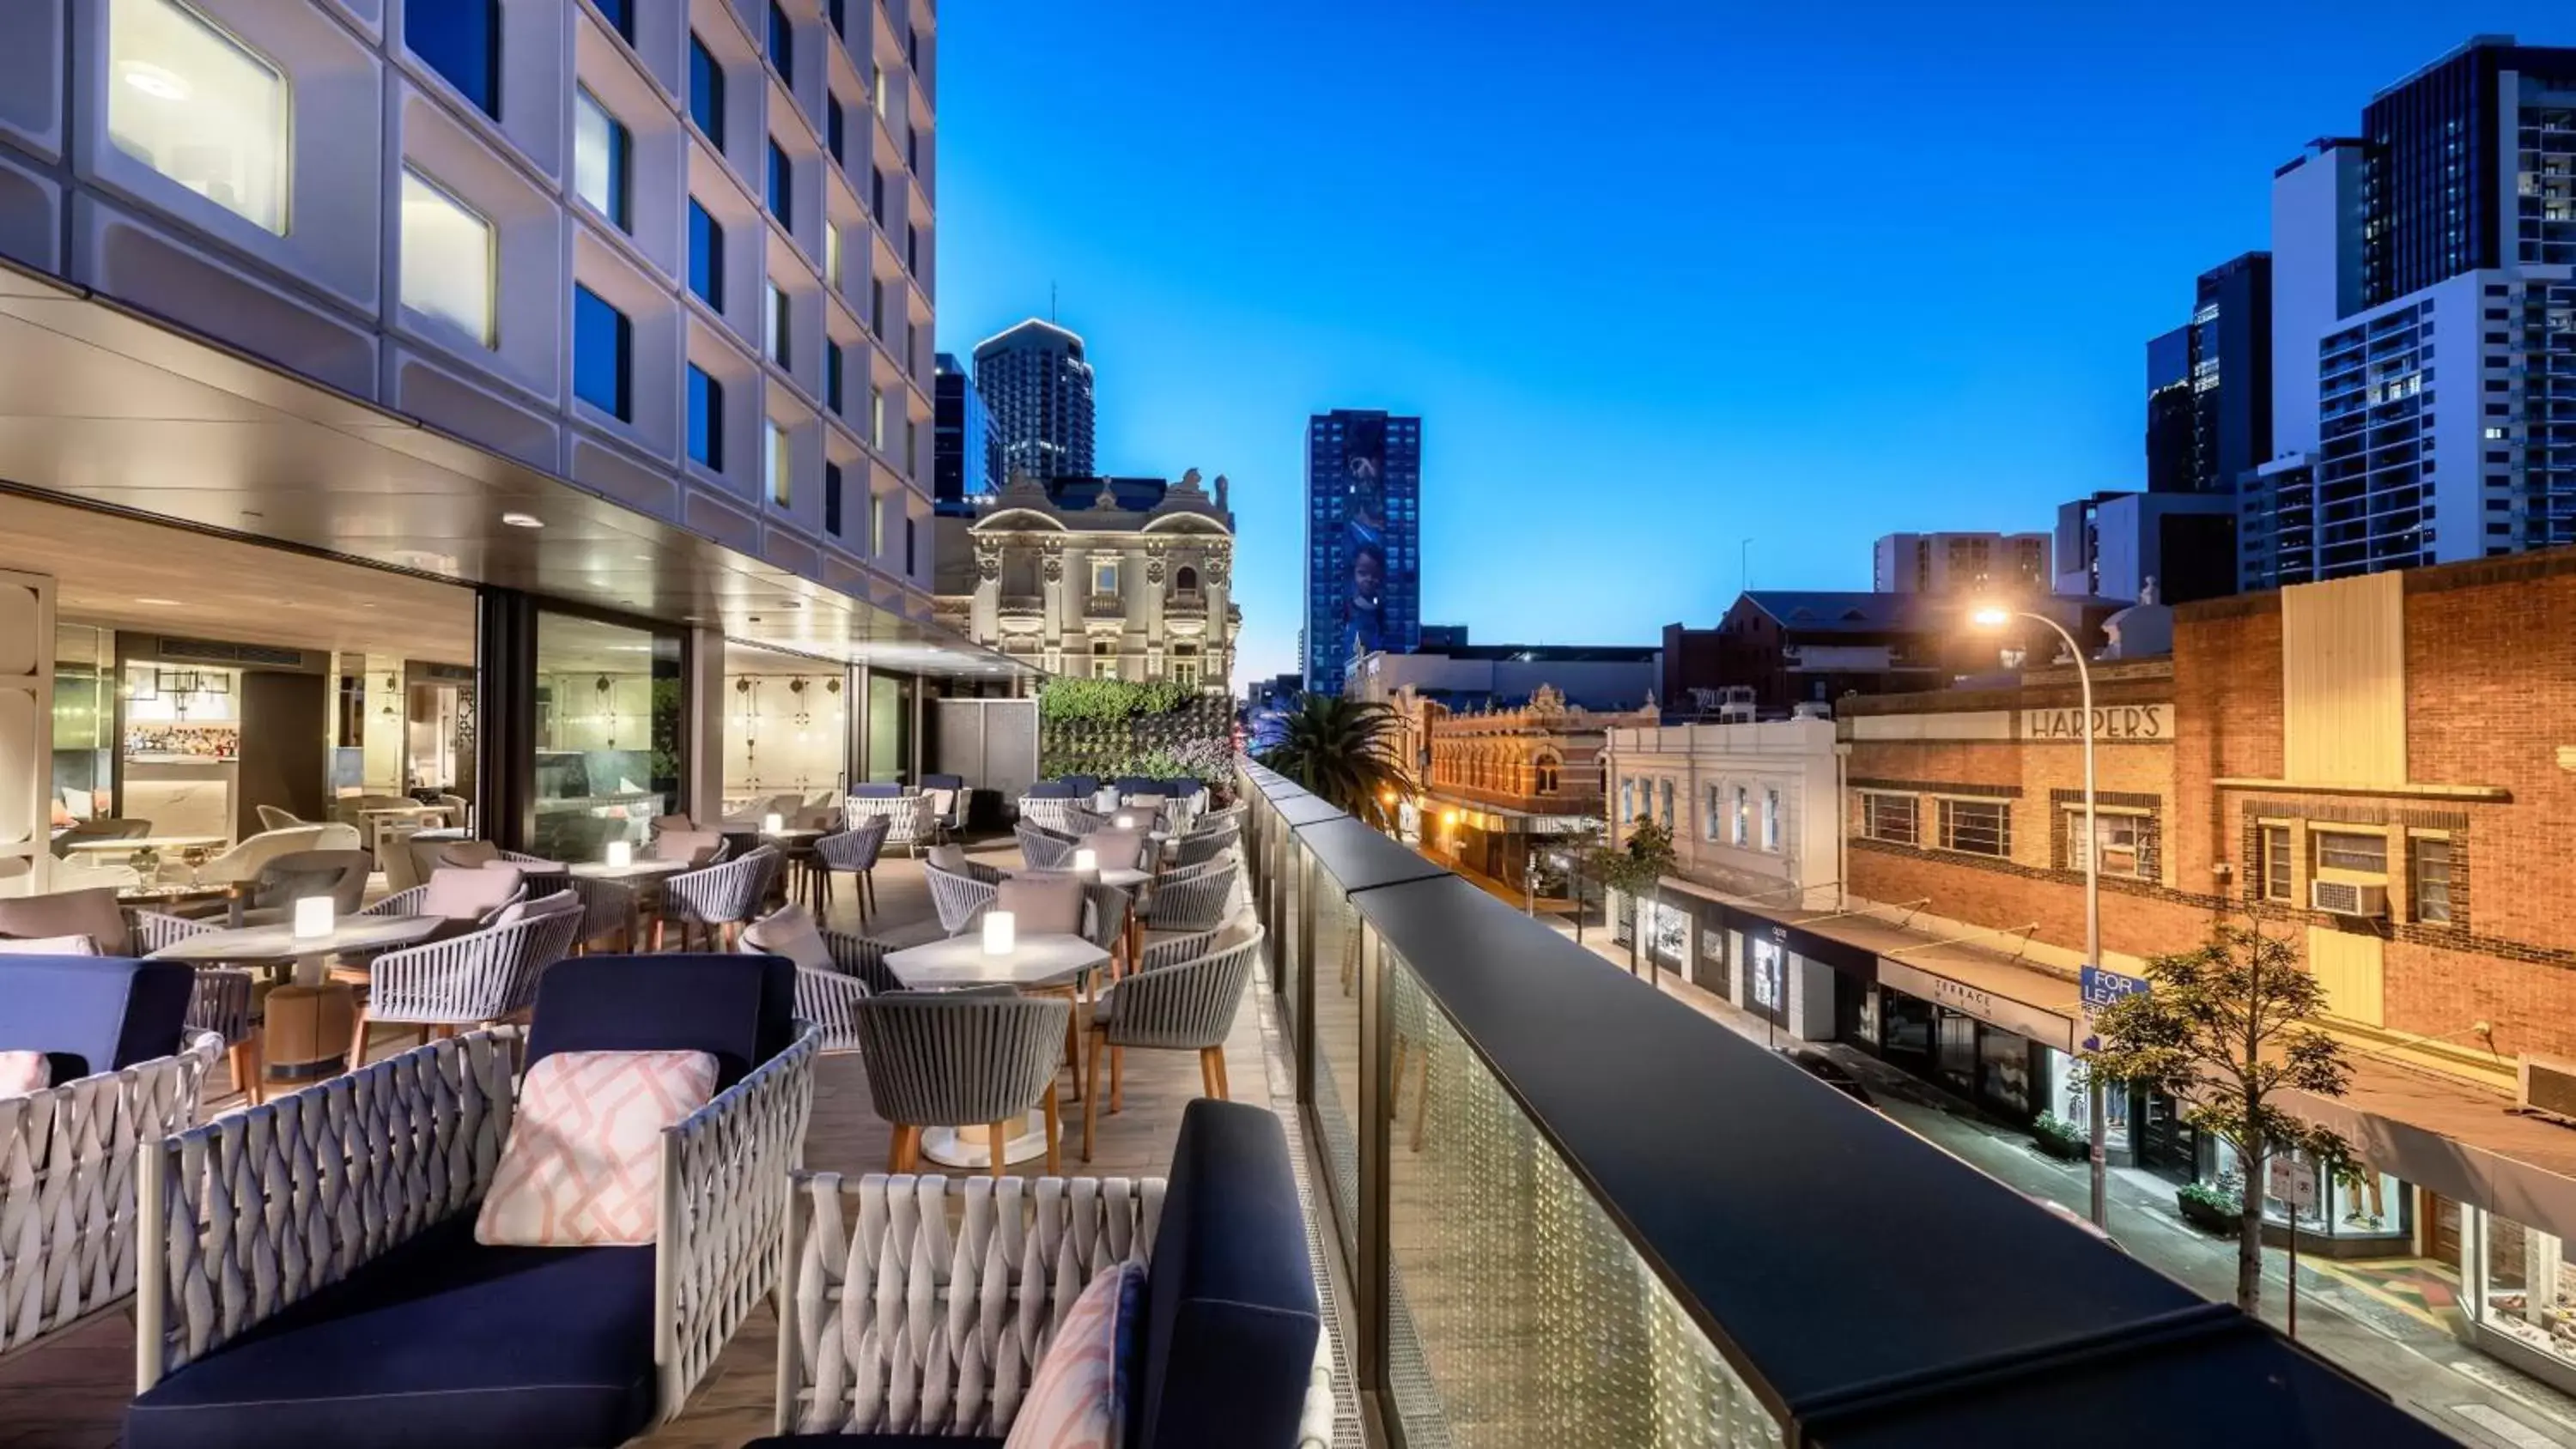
<point x="2372" y="1216"/>
<point x="2007" y="1056"/>
<point x="2521" y="1296"/>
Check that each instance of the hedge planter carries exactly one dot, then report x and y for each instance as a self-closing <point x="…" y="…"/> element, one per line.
<point x="2207" y="1216"/>
<point x="2061" y="1139"/>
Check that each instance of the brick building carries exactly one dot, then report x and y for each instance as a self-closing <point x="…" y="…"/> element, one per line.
<point x="1503" y="782"/>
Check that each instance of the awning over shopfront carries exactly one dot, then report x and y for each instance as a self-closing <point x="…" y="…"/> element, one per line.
<point x="1499" y="820"/>
<point x="2457" y="1140"/>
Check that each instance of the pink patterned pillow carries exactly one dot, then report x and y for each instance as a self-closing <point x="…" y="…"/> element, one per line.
<point x="583" y="1166"/>
<point x="1078" y="1400"/>
<point x="24" y="1074"/>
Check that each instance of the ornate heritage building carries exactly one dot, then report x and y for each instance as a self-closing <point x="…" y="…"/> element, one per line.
<point x="1113" y="578"/>
<point x="1500" y="779"/>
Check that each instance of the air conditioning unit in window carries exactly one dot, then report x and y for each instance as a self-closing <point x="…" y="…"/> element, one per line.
<point x="2345" y="898"/>
<point x="2548" y="1088"/>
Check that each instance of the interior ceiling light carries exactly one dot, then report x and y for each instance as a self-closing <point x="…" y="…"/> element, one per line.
<point x="159" y="603"/>
<point x="154" y="81"/>
<point x="523" y="520"/>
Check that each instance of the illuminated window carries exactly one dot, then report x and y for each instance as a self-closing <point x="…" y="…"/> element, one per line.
<point x="599" y="159"/>
<point x="774" y="325"/>
<point x="1739" y="822"/>
<point x="199" y="107"/>
<point x="1771" y="820"/>
<point x="775" y="465"/>
<point x="447" y="261"/>
<point x="1104" y="576"/>
<point x="832" y="255"/>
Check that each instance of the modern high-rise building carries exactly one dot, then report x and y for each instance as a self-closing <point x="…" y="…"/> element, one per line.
<point x="1363" y="540"/>
<point x="1959" y="563"/>
<point x="1038" y="385"/>
<point x="965" y="453"/>
<point x="2173" y="424"/>
<point x="2448" y="229"/>
<point x="2209" y="383"/>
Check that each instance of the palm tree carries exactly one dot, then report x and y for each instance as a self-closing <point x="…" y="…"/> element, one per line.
<point x="1347" y="752"/>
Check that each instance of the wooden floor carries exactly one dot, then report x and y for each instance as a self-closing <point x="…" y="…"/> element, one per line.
<point x="71" y="1391"/>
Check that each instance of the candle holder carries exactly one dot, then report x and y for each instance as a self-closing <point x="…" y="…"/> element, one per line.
<point x="1125" y="821"/>
<point x="772" y="823"/>
<point x="621" y="853"/>
<point x="312" y="917"/>
<point x="1086" y="862"/>
<point x="1001" y="933"/>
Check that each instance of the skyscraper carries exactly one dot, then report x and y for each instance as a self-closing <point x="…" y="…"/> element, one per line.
<point x="2209" y="383"/>
<point x="2173" y="462"/>
<point x="2391" y="246"/>
<point x="1363" y="539"/>
<point x="1038" y="386"/>
<point x="966" y="456"/>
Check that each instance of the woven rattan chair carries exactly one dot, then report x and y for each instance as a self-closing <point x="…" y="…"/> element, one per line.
<point x="1044" y="848"/>
<point x="829" y="998"/>
<point x="959" y="899"/>
<point x="1203" y="847"/>
<point x="907" y="816"/>
<point x="1191" y="903"/>
<point x="1185" y="1005"/>
<point x="468" y="981"/>
<point x="854" y="850"/>
<point x="959" y="1059"/>
<point x="719" y="899"/>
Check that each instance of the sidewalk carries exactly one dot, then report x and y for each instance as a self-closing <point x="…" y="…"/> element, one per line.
<point x="2358" y="1318"/>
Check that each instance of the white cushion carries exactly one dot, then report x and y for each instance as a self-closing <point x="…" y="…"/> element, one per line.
<point x="467" y="893"/>
<point x="24" y="1074"/>
<point x="950" y="858"/>
<point x="790" y="931"/>
<point x="583" y="1165"/>
<point x="1041" y="905"/>
<point x="561" y="903"/>
<point x="50" y="946"/>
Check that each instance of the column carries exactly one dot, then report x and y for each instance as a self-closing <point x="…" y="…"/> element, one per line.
<point x="505" y="708"/>
<point x="26" y="730"/>
<point x="702" y="660"/>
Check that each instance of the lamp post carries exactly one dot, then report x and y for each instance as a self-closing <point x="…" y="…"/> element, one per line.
<point x="1995" y="616"/>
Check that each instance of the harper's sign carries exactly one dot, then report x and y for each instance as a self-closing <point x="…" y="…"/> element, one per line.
<point x="2131" y="723"/>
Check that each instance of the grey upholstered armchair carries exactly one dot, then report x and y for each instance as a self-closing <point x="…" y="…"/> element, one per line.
<point x="1184" y="1005"/>
<point x="1193" y="903"/>
<point x="962" y="1059"/>
<point x="854" y="850"/>
<point x="719" y="898"/>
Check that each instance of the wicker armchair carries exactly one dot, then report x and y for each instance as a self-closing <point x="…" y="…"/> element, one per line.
<point x="960" y="1059"/>
<point x="829" y="999"/>
<point x="921" y="1306"/>
<point x="718" y="899"/>
<point x="907" y="816"/>
<point x="1064" y="817"/>
<point x="854" y="850"/>
<point x="408" y="903"/>
<point x="67" y="1192"/>
<point x="471" y="980"/>
<point x="1194" y="903"/>
<point x="1199" y="849"/>
<point x="959" y="899"/>
<point x="608" y="911"/>
<point x="1043" y="848"/>
<point x="1187" y="1005"/>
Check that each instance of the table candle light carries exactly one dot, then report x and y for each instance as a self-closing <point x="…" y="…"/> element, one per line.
<point x="772" y="823"/>
<point x="1126" y="822"/>
<point x="621" y="853"/>
<point x="312" y="917"/>
<point x="999" y="933"/>
<point x="1086" y="862"/>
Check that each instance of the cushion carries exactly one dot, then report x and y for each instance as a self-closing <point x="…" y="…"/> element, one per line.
<point x="1078" y="1397"/>
<point x="1117" y="849"/>
<point x="467" y="893"/>
<point x="871" y="1441"/>
<point x="738" y="1009"/>
<point x="1043" y="905"/>
<point x="950" y="858"/>
<point x="941" y="801"/>
<point x="50" y="946"/>
<point x="24" y="1073"/>
<point x="440" y="1342"/>
<point x="790" y="931"/>
<point x="92" y="912"/>
<point x="93" y="1014"/>
<point x="559" y="903"/>
<point x="472" y="853"/>
<point x="1231" y="1320"/>
<point x="697" y="847"/>
<point x="77" y="803"/>
<point x="583" y="1166"/>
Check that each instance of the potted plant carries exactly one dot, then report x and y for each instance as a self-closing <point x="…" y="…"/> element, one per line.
<point x="2066" y="1141"/>
<point x="2209" y="1206"/>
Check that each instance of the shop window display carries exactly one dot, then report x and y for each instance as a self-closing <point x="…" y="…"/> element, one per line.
<point x="2375" y="1206"/>
<point x="1667" y="932"/>
<point x="2528" y="1287"/>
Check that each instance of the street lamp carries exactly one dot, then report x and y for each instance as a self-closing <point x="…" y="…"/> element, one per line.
<point x="1996" y="616"/>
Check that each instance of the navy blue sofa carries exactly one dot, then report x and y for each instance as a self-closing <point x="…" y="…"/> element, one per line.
<point x="92" y="1014"/>
<point x="443" y="1341"/>
<point x="1228" y="1347"/>
<point x="1083" y="786"/>
<point x="1049" y="790"/>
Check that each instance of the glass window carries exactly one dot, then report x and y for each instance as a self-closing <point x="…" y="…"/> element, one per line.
<point x="706" y="256"/>
<point x="877" y="87"/>
<point x="1771" y="819"/>
<point x="600" y="148"/>
<point x="461" y="40"/>
<point x="199" y="107"/>
<point x="773" y="324"/>
<point x="603" y="348"/>
<point x="2432" y="873"/>
<point x="706" y="91"/>
<point x="832" y="255"/>
<point x="1978" y="827"/>
<point x="780" y="175"/>
<point x="1739" y="820"/>
<point x="608" y="734"/>
<point x="1104" y="576"/>
<point x="876" y="306"/>
<point x="620" y="15"/>
<point x="907" y="544"/>
<point x="832" y="375"/>
<point x="447" y="261"/>
<point x="2120" y="834"/>
<point x="835" y="129"/>
<point x="782" y="44"/>
<point x="2352" y="850"/>
<point x="2276" y="862"/>
<point x="776" y="465"/>
<point x="838" y="11"/>
<point x="889" y="727"/>
<point x="706" y="418"/>
<point x="876" y="418"/>
<point x="876" y="524"/>
<point x="2527" y="1286"/>
<point x="1668" y="804"/>
<point x="832" y="499"/>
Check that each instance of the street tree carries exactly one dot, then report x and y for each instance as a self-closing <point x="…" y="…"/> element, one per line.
<point x="1636" y="869"/>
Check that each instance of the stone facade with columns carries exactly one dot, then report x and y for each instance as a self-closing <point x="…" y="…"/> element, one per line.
<point x="1124" y="578"/>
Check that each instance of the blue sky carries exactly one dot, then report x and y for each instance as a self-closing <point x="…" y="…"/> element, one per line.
<point x="1659" y="276"/>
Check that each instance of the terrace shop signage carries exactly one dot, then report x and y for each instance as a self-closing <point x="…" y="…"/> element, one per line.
<point x="2129" y="723"/>
<point x="2020" y="1018"/>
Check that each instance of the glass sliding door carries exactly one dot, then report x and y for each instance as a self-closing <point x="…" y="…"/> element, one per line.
<point x="609" y="723"/>
<point x="890" y="708"/>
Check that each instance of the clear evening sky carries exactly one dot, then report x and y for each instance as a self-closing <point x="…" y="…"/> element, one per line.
<point x="1658" y="276"/>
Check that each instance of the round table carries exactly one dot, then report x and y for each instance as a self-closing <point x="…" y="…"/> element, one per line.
<point x="278" y="945"/>
<point x="105" y="846"/>
<point x="632" y="870"/>
<point x="960" y="961"/>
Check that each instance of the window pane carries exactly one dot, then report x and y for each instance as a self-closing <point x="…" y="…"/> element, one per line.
<point x="706" y="418"/>
<point x="832" y="499"/>
<point x="621" y="14"/>
<point x="2432" y="879"/>
<point x="832" y="256"/>
<point x="446" y="258"/>
<point x="2339" y="850"/>
<point x="461" y="40"/>
<point x="599" y="146"/>
<point x="602" y="346"/>
<point x="834" y="129"/>
<point x="832" y="375"/>
<point x="774" y="464"/>
<point x="706" y="256"/>
<point x="2276" y="862"/>
<point x="706" y="91"/>
<point x="773" y="325"/>
<point x="782" y="43"/>
<point x="1979" y="827"/>
<point x="779" y="177"/>
<point x="198" y="107"/>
